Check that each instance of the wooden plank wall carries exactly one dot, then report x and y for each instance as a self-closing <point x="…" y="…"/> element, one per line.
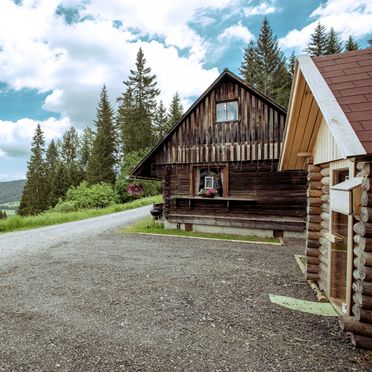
<point x="257" y="135"/>
<point x="287" y="199"/>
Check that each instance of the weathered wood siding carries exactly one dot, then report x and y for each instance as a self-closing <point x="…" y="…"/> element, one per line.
<point x="267" y="198"/>
<point x="257" y="135"/>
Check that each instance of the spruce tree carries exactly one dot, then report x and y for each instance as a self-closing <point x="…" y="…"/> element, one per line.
<point x="102" y="161"/>
<point x="85" y="150"/>
<point x="51" y="161"/>
<point x="318" y="42"/>
<point x="272" y="76"/>
<point x="175" y="110"/>
<point x="137" y="107"/>
<point x="351" y="44"/>
<point x="249" y="66"/>
<point x="69" y="156"/>
<point x="60" y="184"/>
<point x="34" y="197"/>
<point x="292" y="64"/>
<point x="161" y="121"/>
<point x="333" y="44"/>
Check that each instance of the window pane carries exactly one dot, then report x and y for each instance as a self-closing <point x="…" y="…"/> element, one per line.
<point x="232" y="110"/>
<point x="208" y="184"/>
<point x="221" y="111"/>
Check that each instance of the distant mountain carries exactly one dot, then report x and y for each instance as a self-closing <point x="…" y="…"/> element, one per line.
<point x="11" y="191"/>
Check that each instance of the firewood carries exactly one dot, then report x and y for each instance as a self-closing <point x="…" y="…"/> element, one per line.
<point x="350" y="324"/>
<point x="361" y="341"/>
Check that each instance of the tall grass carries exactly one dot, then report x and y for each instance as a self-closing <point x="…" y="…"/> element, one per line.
<point x="14" y="223"/>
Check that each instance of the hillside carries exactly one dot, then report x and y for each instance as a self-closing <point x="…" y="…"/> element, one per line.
<point x="11" y="191"/>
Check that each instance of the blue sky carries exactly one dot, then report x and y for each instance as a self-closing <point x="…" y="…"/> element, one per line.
<point x="55" y="55"/>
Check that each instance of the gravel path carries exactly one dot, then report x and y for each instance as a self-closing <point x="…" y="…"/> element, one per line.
<point x="97" y="300"/>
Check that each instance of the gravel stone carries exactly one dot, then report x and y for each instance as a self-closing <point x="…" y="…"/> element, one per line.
<point x="83" y="297"/>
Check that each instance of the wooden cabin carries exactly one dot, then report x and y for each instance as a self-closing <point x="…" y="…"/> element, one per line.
<point x="229" y="140"/>
<point x="329" y="133"/>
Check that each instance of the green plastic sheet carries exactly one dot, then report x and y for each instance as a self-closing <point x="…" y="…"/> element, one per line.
<point x="316" y="308"/>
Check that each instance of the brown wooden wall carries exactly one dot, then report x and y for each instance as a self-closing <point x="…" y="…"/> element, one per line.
<point x="257" y="135"/>
<point x="260" y="193"/>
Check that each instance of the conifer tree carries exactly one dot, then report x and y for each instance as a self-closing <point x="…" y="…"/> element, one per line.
<point x="292" y="64"/>
<point x="51" y="161"/>
<point x="272" y="76"/>
<point x="102" y="161"/>
<point x="318" y="42"/>
<point x="34" y="197"/>
<point x="137" y="107"/>
<point x="249" y="66"/>
<point x="175" y="110"/>
<point x="69" y="156"/>
<point x="351" y="44"/>
<point x="333" y="44"/>
<point x="161" y="121"/>
<point x="60" y="184"/>
<point x="85" y="150"/>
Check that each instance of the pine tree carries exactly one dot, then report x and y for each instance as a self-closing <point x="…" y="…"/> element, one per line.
<point x="60" y="184"/>
<point x="34" y="197"/>
<point x="292" y="64"/>
<point x="318" y="42"/>
<point x="85" y="150"/>
<point x="161" y="121"/>
<point x="102" y="161"/>
<point x="333" y="44"/>
<point x="137" y="107"/>
<point x="249" y="66"/>
<point x="175" y="110"/>
<point x="51" y="161"/>
<point x="351" y="44"/>
<point x="272" y="77"/>
<point x="69" y="156"/>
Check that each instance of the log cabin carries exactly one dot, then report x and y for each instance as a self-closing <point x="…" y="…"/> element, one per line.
<point x="228" y="140"/>
<point x="329" y="133"/>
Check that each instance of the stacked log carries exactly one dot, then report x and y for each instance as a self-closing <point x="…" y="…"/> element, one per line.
<point x="324" y="223"/>
<point x="313" y="226"/>
<point x="167" y="190"/>
<point x="361" y="324"/>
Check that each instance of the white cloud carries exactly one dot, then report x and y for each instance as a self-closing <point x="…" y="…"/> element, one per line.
<point x="236" y="32"/>
<point x="261" y="9"/>
<point x="16" y="137"/>
<point x="347" y="17"/>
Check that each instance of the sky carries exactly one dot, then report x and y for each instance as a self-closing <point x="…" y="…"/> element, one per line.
<point x="55" y="55"/>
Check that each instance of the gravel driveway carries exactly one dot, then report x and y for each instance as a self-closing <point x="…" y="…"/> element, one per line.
<point x="81" y="298"/>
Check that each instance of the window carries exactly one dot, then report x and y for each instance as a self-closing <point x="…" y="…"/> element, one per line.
<point x="227" y="111"/>
<point x="206" y="178"/>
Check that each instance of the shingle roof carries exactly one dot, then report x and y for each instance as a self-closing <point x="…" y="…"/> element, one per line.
<point x="349" y="76"/>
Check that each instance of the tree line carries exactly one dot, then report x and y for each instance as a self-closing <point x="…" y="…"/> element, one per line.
<point x="265" y="67"/>
<point x="118" y="141"/>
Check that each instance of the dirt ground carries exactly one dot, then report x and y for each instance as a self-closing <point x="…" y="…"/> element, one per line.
<point x="116" y="302"/>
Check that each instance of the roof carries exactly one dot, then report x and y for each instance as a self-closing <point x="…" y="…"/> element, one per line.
<point x="349" y="77"/>
<point x="136" y="172"/>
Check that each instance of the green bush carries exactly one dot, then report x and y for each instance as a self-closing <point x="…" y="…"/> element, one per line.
<point x="87" y="196"/>
<point x="150" y="188"/>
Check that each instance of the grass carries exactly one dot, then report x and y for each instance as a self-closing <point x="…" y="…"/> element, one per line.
<point x="9" y="212"/>
<point x="149" y="226"/>
<point x="14" y="223"/>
